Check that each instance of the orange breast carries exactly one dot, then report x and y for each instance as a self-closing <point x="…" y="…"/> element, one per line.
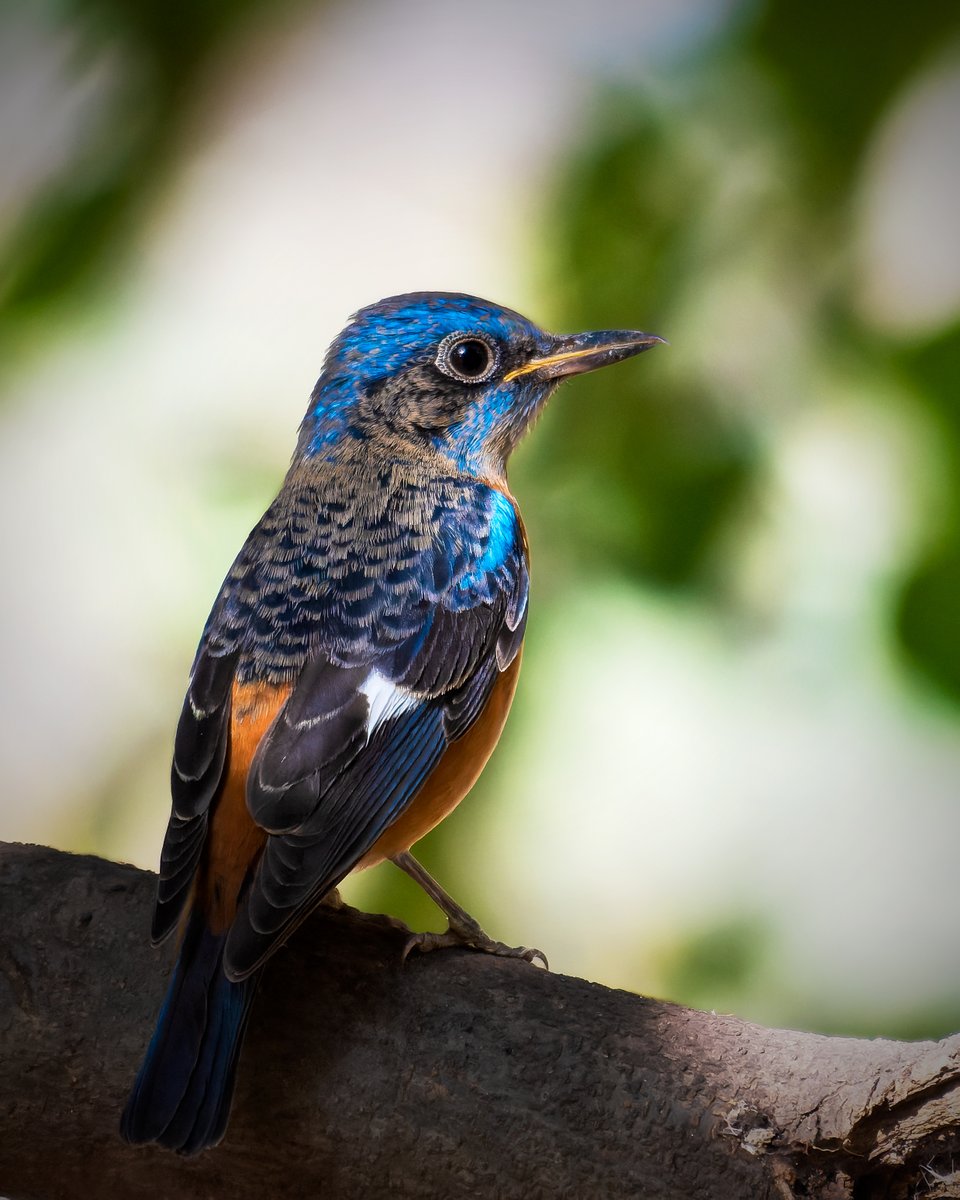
<point x="234" y="841"/>
<point x="453" y="776"/>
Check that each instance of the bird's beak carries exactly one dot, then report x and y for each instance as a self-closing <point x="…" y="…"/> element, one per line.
<point x="585" y="352"/>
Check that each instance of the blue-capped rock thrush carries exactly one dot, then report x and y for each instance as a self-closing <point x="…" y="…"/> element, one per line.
<point x="356" y="670"/>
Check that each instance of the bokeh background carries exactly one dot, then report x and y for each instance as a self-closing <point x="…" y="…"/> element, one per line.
<point x="731" y="775"/>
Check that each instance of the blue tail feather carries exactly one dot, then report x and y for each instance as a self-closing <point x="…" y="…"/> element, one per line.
<point x="181" y="1097"/>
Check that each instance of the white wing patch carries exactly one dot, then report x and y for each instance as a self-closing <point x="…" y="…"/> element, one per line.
<point x="386" y="700"/>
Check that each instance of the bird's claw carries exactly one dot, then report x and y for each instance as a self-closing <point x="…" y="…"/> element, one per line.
<point x="475" y="939"/>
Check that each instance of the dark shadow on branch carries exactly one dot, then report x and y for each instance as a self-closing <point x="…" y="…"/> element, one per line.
<point x="455" y="1076"/>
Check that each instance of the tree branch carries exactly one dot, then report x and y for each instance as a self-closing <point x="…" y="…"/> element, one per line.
<point x="457" y="1075"/>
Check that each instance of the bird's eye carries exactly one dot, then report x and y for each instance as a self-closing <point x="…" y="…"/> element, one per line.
<point x="467" y="357"/>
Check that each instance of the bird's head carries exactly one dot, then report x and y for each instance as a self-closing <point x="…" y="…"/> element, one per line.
<point x="447" y="373"/>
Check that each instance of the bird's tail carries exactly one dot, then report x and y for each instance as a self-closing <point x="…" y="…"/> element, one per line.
<point x="182" y="1094"/>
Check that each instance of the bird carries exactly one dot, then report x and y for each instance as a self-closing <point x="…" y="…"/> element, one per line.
<point x="355" y="671"/>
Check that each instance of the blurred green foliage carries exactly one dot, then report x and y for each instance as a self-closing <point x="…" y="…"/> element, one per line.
<point x="85" y="220"/>
<point x="646" y="473"/>
<point x="713" y="967"/>
<point x="639" y="473"/>
<point x="661" y="198"/>
<point x="926" y="616"/>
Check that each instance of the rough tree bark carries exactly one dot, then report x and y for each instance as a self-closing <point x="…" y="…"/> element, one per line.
<point x="457" y="1075"/>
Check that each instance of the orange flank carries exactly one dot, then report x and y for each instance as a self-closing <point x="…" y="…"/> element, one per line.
<point x="453" y="776"/>
<point x="234" y="841"/>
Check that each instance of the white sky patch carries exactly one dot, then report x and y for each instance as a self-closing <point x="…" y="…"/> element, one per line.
<point x="908" y="246"/>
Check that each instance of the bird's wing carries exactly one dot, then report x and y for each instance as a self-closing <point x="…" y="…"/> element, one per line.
<point x="354" y="744"/>
<point x="199" y="759"/>
<point x="390" y="659"/>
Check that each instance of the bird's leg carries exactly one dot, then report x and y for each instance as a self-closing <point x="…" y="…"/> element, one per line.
<point x="462" y="929"/>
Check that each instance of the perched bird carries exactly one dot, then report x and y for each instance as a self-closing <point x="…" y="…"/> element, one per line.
<point x="356" y="670"/>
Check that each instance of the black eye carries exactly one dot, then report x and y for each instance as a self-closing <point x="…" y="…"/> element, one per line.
<point x="469" y="358"/>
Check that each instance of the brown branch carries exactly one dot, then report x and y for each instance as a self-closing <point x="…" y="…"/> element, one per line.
<point x="455" y="1076"/>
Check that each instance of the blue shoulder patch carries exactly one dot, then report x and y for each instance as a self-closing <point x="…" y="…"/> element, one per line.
<point x="498" y="545"/>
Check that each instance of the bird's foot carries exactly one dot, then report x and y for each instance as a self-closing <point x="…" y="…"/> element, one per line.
<point x="462" y="929"/>
<point x="468" y="933"/>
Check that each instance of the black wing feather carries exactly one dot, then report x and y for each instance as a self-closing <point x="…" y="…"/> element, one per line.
<point x="320" y="729"/>
<point x="182" y="848"/>
<point x="200" y="746"/>
<point x="298" y="868"/>
<point x="199" y="757"/>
